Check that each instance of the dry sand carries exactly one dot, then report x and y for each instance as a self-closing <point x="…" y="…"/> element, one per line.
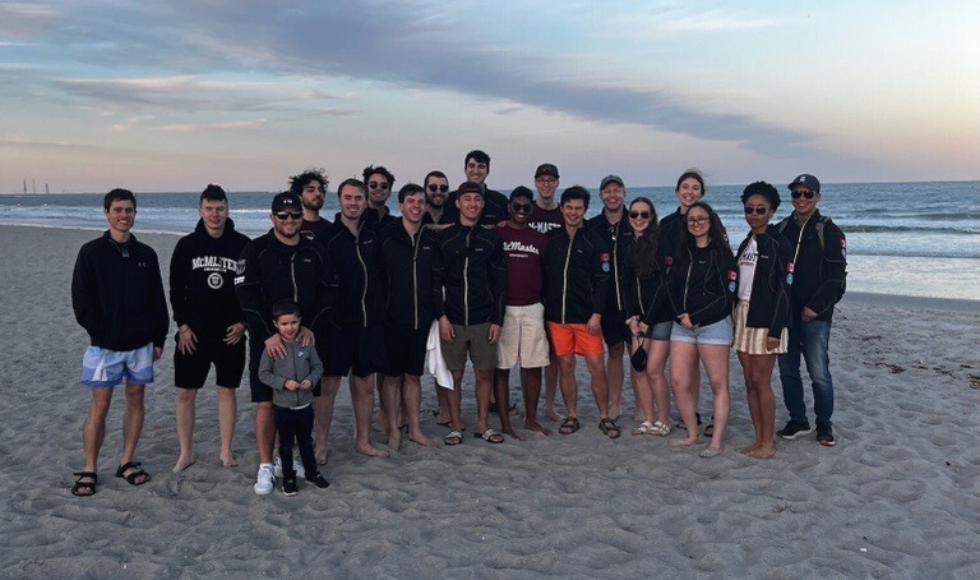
<point x="899" y="497"/>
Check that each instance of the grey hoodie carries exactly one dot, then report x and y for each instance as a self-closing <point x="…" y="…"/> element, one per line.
<point x="301" y="363"/>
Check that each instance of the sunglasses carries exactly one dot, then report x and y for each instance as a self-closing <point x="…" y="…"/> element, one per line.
<point x="809" y="194"/>
<point x="639" y="215"/>
<point x="546" y="180"/>
<point x="285" y="215"/>
<point x="521" y="207"/>
<point x="383" y="185"/>
<point x="756" y="210"/>
<point x="435" y="187"/>
<point x="697" y="220"/>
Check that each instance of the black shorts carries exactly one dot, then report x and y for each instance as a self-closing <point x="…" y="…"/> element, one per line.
<point x="360" y="349"/>
<point x="614" y="329"/>
<point x="262" y="392"/>
<point x="406" y="351"/>
<point x="191" y="370"/>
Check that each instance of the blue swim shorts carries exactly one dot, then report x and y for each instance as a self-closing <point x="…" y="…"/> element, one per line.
<point x="107" y="368"/>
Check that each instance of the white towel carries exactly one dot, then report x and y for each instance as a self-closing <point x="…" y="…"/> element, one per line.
<point x="434" y="363"/>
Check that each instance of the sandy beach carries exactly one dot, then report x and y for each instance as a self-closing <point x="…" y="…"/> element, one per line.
<point x="899" y="497"/>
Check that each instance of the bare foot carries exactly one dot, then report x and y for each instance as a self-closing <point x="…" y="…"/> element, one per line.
<point x="321" y="457"/>
<point x="513" y="434"/>
<point x="750" y="449"/>
<point x="371" y="451"/>
<point x="554" y="416"/>
<point x="421" y="439"/>
<point x="183" y="463"/>
<point x="228" y="459"/>
<point x="686" y="442"/>
<point x="710" y="452"/>
<point x="762" y="452"/>
<point x="532" y="425"/>
<point x="395" y="440"/>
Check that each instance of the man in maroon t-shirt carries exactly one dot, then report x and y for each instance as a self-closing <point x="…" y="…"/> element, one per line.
<point x="310" y="186"/>
<point x="523" y="338"/>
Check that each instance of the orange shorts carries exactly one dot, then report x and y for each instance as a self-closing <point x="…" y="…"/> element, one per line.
<point x="574" y="339"/>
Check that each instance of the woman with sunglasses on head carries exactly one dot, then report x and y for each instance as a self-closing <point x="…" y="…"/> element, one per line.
<point x="762" y="312"/>
<point x="702" y="284"/>
<point x="650" y="319"/>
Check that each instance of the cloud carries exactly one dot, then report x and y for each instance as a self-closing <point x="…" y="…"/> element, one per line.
<point x="194" y="128"/>
<point x="19" y="19"/>
<point x="428" y="48"/>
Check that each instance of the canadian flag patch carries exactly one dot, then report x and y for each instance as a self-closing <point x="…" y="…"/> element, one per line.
<point x="789" y="267"/>
<point x="732" y="275"/>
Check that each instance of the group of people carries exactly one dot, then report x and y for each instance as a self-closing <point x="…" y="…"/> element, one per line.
<point x="468" y="275"/>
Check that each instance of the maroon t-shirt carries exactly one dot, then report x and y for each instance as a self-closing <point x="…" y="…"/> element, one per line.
<point x="525" y="251"/>
<point x="545" y="220"/>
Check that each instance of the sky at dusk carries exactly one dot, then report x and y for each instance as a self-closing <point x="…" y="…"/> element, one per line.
<point x="170" y="96"/>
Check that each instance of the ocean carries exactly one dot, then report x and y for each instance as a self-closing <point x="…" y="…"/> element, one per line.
<point x="909" y="239"/>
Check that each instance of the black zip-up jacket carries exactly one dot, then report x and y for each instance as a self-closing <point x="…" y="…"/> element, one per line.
<point x="357" y="261"/>
<point x="616" y="237"/>
<point x="670" y="237"/>
<point x="819" y="273"/>
<point x="270" y="271"/>
<point x="703" y="282"/>
<point x="494" y="208"/>
<point x="117" y="294"/>
<point x="769" y="302"/>
<point x="646" y="298"/>
<point x="413" y="291"/>
<point x="576" y="276"/>
<point x="202" y="280"/>
<point x="472" y="268"/>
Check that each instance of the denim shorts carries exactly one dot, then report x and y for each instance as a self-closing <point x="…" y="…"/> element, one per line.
<point x="715" y="333"/>
<point x="660" y="331"/>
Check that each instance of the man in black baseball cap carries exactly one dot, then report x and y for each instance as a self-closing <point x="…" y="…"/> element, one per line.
<point x="819" y="271"/>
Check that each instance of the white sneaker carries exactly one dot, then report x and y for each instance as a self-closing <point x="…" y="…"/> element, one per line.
<point x="297" y="467"/>
<point x="265" y="480"/>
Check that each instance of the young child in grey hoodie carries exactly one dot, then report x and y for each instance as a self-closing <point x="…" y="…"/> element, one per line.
<point x="292" y="378"/>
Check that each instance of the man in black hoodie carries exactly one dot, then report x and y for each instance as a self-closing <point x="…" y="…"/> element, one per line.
<point x="473" y="272"/>
<point x="209" y="321"/>
<point x="281" y="264"/>
<point x="117" y="295"/>
<point x="819" y="271"/>
<point x="354" y="341"/>
<point x="414" y="299"/>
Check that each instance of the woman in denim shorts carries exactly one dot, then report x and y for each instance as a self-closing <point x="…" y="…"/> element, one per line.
<point x="703" y="280"/>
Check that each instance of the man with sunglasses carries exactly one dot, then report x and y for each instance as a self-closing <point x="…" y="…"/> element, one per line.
<point x="523" y="338"/>
<point x="354" y="341"/>
<point x="436" y="191"/>
<point x="819" y="270"/>
<point x="476" y="167"/>
<point x="310" y="186"/>
<point x="280" y="265"/>
<point x="380" y="183"/>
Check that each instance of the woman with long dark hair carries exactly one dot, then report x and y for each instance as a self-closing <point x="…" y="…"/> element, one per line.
<point x="762" y="312"/>
<point x="702" y="283"/>
<point x="650" y="321"/>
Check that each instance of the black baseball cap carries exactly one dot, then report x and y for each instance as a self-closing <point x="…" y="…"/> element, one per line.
<point x="286" y="200"/>
<point x="546" y="169"/>
<point x="806" y="180"/>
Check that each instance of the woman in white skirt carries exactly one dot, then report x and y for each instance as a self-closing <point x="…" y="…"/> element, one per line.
<point x="765" y="264"/>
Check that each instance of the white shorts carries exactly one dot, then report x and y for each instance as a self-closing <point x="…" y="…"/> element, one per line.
<point x="523" y="338"/>
<point x="751" y="340"/>
<point x="107" y="368"/>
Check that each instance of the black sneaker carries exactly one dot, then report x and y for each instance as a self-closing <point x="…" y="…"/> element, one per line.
<point x="825" y="435"/>
<point x="289" y="487"/>
<point x="319" y="481"/>
<point x="794" y="429"/>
